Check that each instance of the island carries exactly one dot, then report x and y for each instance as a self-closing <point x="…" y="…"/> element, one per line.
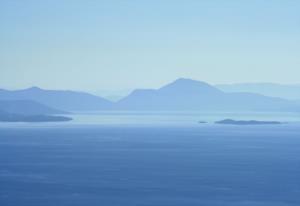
<point x="11" y="117"/>
<point x="202" y="122"/>
<point x="246" y="122"/>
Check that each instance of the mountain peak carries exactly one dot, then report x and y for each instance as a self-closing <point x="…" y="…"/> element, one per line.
<point x="189" y="85"/>
<point x="34" y="88"/>
<point x="184" y="80"/>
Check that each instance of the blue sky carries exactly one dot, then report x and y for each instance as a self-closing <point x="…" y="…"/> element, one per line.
<point x="98" y="45"/>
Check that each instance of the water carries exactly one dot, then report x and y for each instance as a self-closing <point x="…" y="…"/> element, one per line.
<point x="149" y="165"/>
<point x="161" y="118"/>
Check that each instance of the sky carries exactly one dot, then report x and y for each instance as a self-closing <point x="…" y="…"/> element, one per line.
<point x="125" y="44"/>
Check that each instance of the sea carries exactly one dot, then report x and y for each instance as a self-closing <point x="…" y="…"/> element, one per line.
<point x="151" y="159"/>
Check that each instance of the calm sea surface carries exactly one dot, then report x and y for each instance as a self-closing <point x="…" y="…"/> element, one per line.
<point x="153" y="159"/>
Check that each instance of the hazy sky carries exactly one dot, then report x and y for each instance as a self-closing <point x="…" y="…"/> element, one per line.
<point x="96" y="45"/>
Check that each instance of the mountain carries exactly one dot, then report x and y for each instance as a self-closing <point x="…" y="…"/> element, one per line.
<point x="64" y="100"/>
<point x="182" y="94"/>
<point x="27" y="107"/>
<point x="291" y="92"/>
<point x="187" y="94"/>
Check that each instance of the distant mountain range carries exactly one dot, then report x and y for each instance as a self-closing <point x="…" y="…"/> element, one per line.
<point x="187" y="94"/>
<point x="27" y="107"/>
<point x="29" y="111"/>
<point x="182" y="94"/>
<point x="291" y="92"/>
<point x="64" y="100"/>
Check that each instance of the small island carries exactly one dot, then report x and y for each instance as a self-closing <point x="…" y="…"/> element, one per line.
<point x="202" y="122"/>
<point x="10" y="117"/>
<point x="246" y="122"/>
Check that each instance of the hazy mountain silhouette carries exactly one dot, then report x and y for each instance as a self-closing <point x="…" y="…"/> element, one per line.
<point x="269" y="89"/>
<point x="27" y="107"/>
<point x="64" y="100"/>
<point x="182" y="94"/>
<point x="187" y="94"/>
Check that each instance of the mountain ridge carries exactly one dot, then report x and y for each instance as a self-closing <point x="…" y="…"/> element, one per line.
<point x="62" y="99"/>
<point x="188" y="94"/>
<point x="286" y="91"/>
<point x="27" y="107"/>
<point x="181" y="94"/>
